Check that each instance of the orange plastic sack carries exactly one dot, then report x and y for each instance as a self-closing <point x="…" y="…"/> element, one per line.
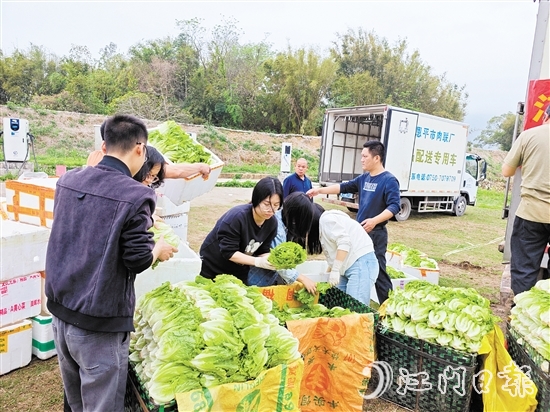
<point x="274" y="390"/>
<point x="338" y="354"/>
<point x="504" y="385"/>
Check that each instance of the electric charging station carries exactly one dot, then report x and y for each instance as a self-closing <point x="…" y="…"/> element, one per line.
<point x="286" y="157"/>
<point x="16" y="139"/>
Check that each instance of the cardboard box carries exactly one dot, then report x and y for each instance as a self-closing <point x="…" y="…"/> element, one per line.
<point x="22" y="249"/>
<point x="43" y="345"/>
<point x="165" y="207"/>
<point x="15" y="346"/>
<point x="394" y="259"/>
<point x="185" y="265"/>
<point x="20" y="298"/>
<point x="31" y="200"/>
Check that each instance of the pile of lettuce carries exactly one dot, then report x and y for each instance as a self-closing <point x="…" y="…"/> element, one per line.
<point x="205" y="333"/>
<point x="455" y="317"/>
<point x="412" y="257"/>
<point x="394" y="273"/>
<point x="287" y="255"/>
<point x="159" y="229"/>
<point x="176" y="145"/>
<point x="530" y="318"/>
<point x="309" y="309"/>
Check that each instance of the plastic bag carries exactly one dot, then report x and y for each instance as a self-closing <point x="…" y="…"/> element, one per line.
<point x="505" y="386"/>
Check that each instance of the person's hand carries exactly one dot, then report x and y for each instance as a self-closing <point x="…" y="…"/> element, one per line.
<point x="204" y="170"/>
<point x="261" y="262"/>
<point x="368" y="225"/>
<point x="334" y="278"/>
<point x="309" y="284"/>
<point x="165" y="251"/>
<point x="313" y="192"/>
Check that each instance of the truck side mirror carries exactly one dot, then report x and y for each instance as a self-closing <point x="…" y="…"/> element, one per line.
<point x="482" y="164"/>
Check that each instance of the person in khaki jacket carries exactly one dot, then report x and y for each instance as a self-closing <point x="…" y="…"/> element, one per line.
<point x="531" y="230"/>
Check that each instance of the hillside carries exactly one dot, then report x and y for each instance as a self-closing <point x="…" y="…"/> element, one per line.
<point x="69" y="137"/>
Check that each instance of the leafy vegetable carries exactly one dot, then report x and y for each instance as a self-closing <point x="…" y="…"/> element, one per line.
<point x="205" y="333"/>
<point x="176" y="145"/>
<point x="394" y="273"/>
<point x="530" y="317"/>
<point x="287" y="255"/>
<point x="455" y="317"/>
<point x="159" y="229"/>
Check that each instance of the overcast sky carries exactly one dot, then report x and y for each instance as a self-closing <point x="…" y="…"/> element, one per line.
<point x="484" y="45"/>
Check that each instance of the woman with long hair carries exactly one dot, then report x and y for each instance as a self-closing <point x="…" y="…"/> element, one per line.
<point x="242" y="237"/>
<point x="294" y="222"/>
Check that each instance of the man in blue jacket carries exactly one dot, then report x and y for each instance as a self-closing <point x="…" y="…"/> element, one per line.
<point x="99" y="242"/>
<point x="298" y="181"/>
<point x="379" y="201"/>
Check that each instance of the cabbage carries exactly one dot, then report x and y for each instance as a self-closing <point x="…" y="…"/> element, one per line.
<point x="455" y="317"/>
<point x="287" y="255"/>
<point x="162" y="229"/>
<point x="204" y="333"/>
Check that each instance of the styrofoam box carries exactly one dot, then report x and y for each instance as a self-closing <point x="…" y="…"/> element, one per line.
<point x="22" y="249"/>
<point x="187" y="188"/>
<point x="394" y="259"/>
<point x="20" y="298"/>
<point x="179" y="224"/>
<point x="44" y="299"/>
<point x="43" y="345"/>
<point x="31" y="200"/>
<point x="185" y="265"/>
<point x="428" y="274"/>
<point x="15" y="346"/>
<point x="165" y="207"/>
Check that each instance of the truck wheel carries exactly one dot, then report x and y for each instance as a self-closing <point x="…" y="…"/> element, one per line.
<point x="405" y="210"/>
<point x="460" y="206"/>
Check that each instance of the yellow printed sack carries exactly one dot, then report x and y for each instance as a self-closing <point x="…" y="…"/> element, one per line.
<point x="274" y="390"/>
<point x="504" y="385"/>
<point x="338" y="354"/>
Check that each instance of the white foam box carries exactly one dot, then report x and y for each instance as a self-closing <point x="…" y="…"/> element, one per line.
<point x="394" y="259"/>
<point x="31" y="200"/>
<point x="185" y="265"/>
<point x="15" y="346"/>
<point x="427" y="274"/>
<point x="44" y="299"/>
<point x="43" y="345"/>
<point x="22" y="249"/>
<point x="187" y="188"/>
<point x="175" y="216"/>
<point x="179" y="224"/>
<point x="20" y="298"/>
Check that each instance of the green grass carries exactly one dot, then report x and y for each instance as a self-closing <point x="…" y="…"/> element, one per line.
<point x="236" y="183"/>
<point x="255" y="168"/>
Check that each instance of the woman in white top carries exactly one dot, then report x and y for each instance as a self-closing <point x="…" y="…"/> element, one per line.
<point x="349" y="251"/>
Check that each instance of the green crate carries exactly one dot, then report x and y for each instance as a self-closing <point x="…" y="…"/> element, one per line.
<point x="335" y="297"/>
<point x="410" y="358"/>
<point x="526" y="355"/>
<point x="137" y="398"/>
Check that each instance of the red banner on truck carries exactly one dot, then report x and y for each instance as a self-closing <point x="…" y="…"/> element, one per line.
<point x="538" y="98"/>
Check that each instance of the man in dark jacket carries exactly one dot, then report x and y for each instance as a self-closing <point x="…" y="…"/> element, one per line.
<point x="99" y="241"/>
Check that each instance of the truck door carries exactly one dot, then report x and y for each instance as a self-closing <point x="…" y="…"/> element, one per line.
<point x="399" y="142"/>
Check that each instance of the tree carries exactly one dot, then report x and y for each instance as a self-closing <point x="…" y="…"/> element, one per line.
<point x="371" y="71"/>
<point x="499" y="131"/>
<point x="296" y="84"/>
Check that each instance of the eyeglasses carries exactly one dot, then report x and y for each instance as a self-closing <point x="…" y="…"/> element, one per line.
<point x="145" y="150"/>
<point x="267" y="206"/>
<point x="152" y="178"/>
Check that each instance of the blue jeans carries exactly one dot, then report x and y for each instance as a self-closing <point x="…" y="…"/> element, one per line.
<point x="94" y="367"/>
<point x="359" y="278"/>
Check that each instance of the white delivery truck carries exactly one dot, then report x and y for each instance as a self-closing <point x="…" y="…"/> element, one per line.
<point x="426" y="153"/>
